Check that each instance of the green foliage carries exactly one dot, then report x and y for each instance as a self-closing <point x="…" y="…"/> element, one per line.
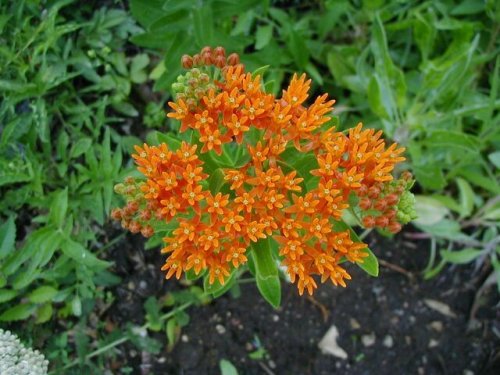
<point x="65" y="86"/>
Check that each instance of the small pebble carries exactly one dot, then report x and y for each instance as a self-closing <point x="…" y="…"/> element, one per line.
<point x="184" y="338"/>
<point x="271" y="364"/>
<point x="220" y="329"/>
<point x="161" y="360"/>
<point x="131" y="285"/>
<point x="468" y="372"/>
<point x="368" y="340"/>
<point x="143" y="284"/>
<point x="354" y="323"/>
<point x="421" y="371"/>
<point x="433" y="343"/>
<point x="436" y="325"/>
<point x="388" y="341"/>
<point x="276" y="318"/>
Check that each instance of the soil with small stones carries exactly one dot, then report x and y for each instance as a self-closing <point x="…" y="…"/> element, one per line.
<point x="392" y="310"/>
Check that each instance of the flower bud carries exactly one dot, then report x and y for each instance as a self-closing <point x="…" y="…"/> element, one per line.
<point x="129" y="180"/>
<point x="382" y="221"/>
<point x="196" y="60"/>
<point x="206" y="58"/>
<point x="147" y="231"/>
<point x="220" y="51"/>
<point x="116" y="214"/>
<point x="133" y="206"/>
<point x="368" y="221"/>
<point x="125" y="223"/>
<point x="362" y="191"/>
<point x="365" y="204"/>
<point x="390" y="214"/>
<point x="205" y="50"/>
<point x="145" y="215"/>
<point x="134" y="227"/>
<point x="119" y="189"/>
<point x="204" y="78"/>
<point x="374" y="192"/>
<point x="187" y="62"/>
<point x="391" y="199"/>
<point x="381" y="204"/>
<point x="394" y="227"/>
<point x="220" y="62"/>
<point x="233" y="59"/>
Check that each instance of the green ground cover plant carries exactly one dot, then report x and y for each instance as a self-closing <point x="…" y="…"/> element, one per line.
<point x="82" y="82"/>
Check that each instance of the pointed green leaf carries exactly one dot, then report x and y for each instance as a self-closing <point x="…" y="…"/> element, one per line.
<point x="461" y="256"/>
<point x="266" y="270"/>
<point x="7" y="237"/>
<point x="42" y="294"/>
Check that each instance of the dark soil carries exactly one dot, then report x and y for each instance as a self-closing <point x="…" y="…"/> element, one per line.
<point x="410" y="337"/>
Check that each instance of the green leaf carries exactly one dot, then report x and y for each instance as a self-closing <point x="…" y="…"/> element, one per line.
<point x="495" y="158"/>
<point x="227" y="368"/>
<point x="477" y="178"/>
<point x="217" y="288"/>
<point x="80" y="147"/>
<point x="216" y="181"/>
<point x="58" y="208"/>
<point x="137" y="68"/>
<point x="146" y="11"/>
<point x="466" y="197"/>
<point x="379" y="98"/>
<point x="429" y="210"/>
<point x="42" y="294"/>
<point x="7" y="294"/>
<point x="7" y="237"/>
<point x="298" y="49"/>
<point x="44" y="313"/>
<point x="430" y="176"/>
<point x="172" y="331"/>
<point x="448" y="229"/>
<point x="153" y="314"/>
<point x="452" y="139"/>
<point x="76" y="251"/>
<point x="467" y="7"/>
<point x="263" y="36"/>
<point x="244" y="23"/>
<point x="461" y="256"/>
<point x="266" y="270"/>
<point x="76" y="306"/>
<point x="18" y="312"/>
<point x="203" y="25"/>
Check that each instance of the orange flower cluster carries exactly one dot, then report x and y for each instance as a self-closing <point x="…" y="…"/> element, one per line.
<point x="265" y="197"/>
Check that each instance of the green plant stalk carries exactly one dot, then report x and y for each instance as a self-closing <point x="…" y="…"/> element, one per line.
<point x="122" y="340"/>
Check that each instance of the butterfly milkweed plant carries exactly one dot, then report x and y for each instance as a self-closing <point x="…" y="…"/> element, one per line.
<point x="260" y="183"/>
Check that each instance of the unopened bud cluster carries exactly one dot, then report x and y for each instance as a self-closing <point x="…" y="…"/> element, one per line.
<point x="197" y="82"/>
<point x="15" y="359"/>
<point x="192" y="86"/>
<point x="138" y="214"/>
<point x="210" y="57"/>
<point x="388" y="206"/>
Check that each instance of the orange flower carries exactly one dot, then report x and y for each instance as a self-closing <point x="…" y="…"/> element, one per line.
<point x="218" y="102"/>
